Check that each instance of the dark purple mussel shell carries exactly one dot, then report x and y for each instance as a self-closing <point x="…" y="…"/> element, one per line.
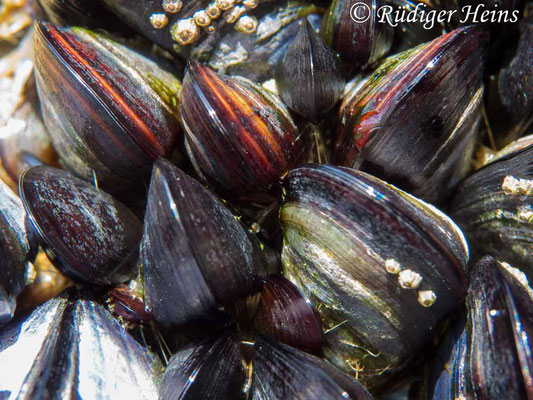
<point x="283" y="372"/>
<point x="358" y="43"/>
<point x="515" y="84"/>
<point x="412" y="121"/>
<point x="196" y="256"/>
<point x="88" y="235"/>
<point x="74" y="349"/>
<point x="210" y="369"/>
<point x="494" y="207"/>
<point x="127" y="303"/>
<point x="285" y="315"/>
<point x="239" y="135"/>
<point x="110" y="111"/>
<point x="491" y="358"/>
<point x="307" y="77"/>
<point x="245" y="38"/>
<point x="17" y="246"/>
<point x="382" y="267"/>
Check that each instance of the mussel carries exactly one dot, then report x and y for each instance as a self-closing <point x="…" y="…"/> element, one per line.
<point x="239" y="136"/>
<point x="16" y="248"/>
<point x="494" y="207"/>
<point x="196" y="256"/>
<point x="88" y="235"/>
<point x="382" y="267"/>
<point x="413" y="120"/>
<point x="73" y="348"/>
<point x="110" y="111"/>
<point x="308" y="78"/>
<point x="351" y="28"/>
<point x="491" y="357"/>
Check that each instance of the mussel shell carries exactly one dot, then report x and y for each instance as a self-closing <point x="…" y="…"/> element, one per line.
<point x="239" y="135"/>
<point x="515" y="82"/>
<point x="283" y="372"/>
<point x="497" y="222"/>
<point x="89" y="236"/>
<point x="212" y="369"/>
<point x="227" y="50"/>
<point x="74" y="349"/>
<point x="196" y="256"/>
<point x="341" y="230"/>
<point x="412" y="121"/>
<point x="111" y="112"/>
<point x="358" y="43"/>
<point x="308" y="78"/>
<point x="491" y="358"/>
<point x="285" y="315"/>
<point x="14" y="251"/>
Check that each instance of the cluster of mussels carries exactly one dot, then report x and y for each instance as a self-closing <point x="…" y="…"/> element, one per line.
<point x="268" y="201"/>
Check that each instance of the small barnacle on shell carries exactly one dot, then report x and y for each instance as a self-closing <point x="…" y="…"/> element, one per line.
<point x="185" y="31"/>
<point x="213" y="11"/>
<point x="225" y="4"/>
<point x="234" y="14"/>
<point x="246" y="24"/>
<point x="426" y="298"/>
<point x="159" y="20"/>
<point x="201" y="18"/>
<point x="409" y="279"/>
<point x="392" y="266"/>
<point x="172" y="6"/>
<point x="250" y="3"/>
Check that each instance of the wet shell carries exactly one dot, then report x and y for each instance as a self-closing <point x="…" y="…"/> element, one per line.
<point x="211" y="369"/>
<point x="285" y="315"/>
<point x="239" y="135"/>
<point x="74" y="349"/>
<point x="282" y="372"/>
<point x="491" y="358"/>
<point x="494" y="207"/>
<point x="196" y="256"/>
<point x="359" y="43"/>
<point x="412" y="121"/>
<point x="110" y="111"/>
<point x="89" y="236"/>
<point x="14" y="251"/>
<point x="308" y="78"/>
<point x="382" y="267"/>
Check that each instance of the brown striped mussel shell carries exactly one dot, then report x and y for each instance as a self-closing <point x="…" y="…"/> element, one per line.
<point x="110" y="111"/>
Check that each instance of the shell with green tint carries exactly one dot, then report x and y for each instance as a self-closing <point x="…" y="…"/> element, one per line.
<point x="382" y="267"/>
<point x="110" y="111"/>
<point x="413" y="120"/>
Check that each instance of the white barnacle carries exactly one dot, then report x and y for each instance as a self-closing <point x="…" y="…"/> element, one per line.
<point x="185" y="31"/>
<point x="409" y="279"/>
<point x="250" y="3"/>
<point x="510" y="185"/>
<point x="517" y="187"/>
<point x="172" y="6"/>
<point x="525" y="213"/>
<point x="246" y="24"/>
<point x="201" y="18"/>
<point x="158" y="21"/>
<point x="234" y="14"/>
<point x="213" y="11"/>
<point x="210" y="29"/>
<point x="392" y="266"/>
<point x="526" y="186"/>
<point x="426" y="298"/>
<point x="225" y="4"/>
